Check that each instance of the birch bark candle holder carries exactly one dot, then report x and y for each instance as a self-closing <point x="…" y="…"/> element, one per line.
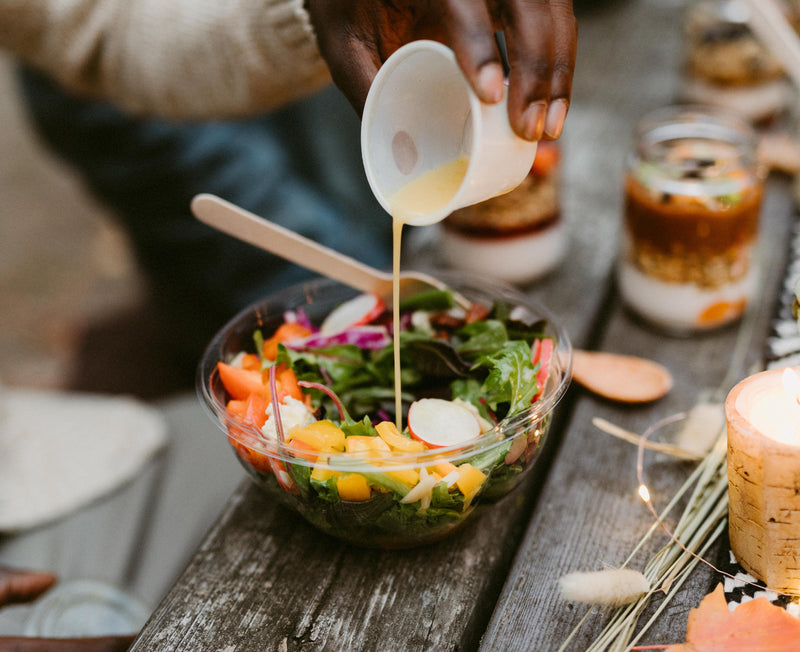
<point x="763" y="425"/>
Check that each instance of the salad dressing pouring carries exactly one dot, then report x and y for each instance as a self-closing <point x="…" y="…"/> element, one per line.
<point x="424" y="195"/>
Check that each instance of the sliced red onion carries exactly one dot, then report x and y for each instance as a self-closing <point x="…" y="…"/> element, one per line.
<point x="276" y="412"/>
<point x="343" y="415"/>
<point x="364" y="337"/>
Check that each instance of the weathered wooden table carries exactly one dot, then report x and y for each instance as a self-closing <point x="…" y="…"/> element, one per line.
<point x="265" y="580"/>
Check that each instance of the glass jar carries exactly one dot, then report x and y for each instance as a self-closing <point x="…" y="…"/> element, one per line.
<point x="515" y="237"/>
<point x="728" y="66"/>
<point x="693" y="188"/>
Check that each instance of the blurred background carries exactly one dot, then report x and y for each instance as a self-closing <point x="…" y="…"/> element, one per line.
<point x="73" y="302"/>
<point x="75" y="317"/>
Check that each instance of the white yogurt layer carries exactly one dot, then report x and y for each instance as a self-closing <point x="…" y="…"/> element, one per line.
<point x="514" y="259"/>
<point x="680" y="306"/>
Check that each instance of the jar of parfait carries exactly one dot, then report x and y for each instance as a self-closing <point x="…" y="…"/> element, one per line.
<point x="693" y="189"/>
<point x="516" y="237"/>
<point x="727" y="65"/>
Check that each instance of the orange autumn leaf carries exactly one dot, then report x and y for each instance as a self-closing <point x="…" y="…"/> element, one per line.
<point x="754" y="625"/>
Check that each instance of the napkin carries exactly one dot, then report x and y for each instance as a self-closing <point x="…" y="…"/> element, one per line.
<point x="60" y="451"/>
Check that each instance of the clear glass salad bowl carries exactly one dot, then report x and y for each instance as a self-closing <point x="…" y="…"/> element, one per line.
<point x="465" y="475"/>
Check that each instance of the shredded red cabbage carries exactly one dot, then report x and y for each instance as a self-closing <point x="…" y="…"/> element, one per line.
<point x="364" y="337"/>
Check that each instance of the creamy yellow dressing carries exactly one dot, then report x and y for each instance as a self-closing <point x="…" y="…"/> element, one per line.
<point x="397" y="231"/>
<point x="424" y="195"/>
<point x="429" y="192"/>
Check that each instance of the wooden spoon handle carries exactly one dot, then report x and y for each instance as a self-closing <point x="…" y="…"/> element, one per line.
<point x="287" y="244"/>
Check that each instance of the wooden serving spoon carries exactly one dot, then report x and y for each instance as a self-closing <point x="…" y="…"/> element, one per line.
<point x="283" y="242"/>
<point x="622" y="378"/>
<point x="616" y="377"/>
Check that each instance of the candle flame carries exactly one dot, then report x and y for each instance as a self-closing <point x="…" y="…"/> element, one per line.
<point x="791" y="383"/>
<point x="644" y="493"/>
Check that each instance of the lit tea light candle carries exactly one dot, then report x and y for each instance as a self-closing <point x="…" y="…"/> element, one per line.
<point x="763" y="424"/>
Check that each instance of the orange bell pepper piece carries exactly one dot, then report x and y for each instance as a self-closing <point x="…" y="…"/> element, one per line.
<point x="251" y="362"/>
<point x="240" y="383"/>
<point x="287" y="382"/>
<point x="256" y="410"/>
<point x="285" y="332"/>
<point x="237" y="407"/>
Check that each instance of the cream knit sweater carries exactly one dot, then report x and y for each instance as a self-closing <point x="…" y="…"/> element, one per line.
<point x="186" y="59"/>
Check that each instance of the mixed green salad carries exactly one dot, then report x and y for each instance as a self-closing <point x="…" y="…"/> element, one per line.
<point x="310" y="411"/>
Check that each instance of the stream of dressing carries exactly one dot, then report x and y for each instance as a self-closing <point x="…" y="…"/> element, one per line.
<point x="424" y="195"/>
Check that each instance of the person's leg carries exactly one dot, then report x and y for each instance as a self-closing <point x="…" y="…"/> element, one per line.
<point x="296" y="168"/>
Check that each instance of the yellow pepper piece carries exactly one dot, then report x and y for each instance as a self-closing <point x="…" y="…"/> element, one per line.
<point x="361" y="443"/>
<point x="322" y="435"/>
<point x="353" y="486"/>
<point x="379" y="445"/>
<point x="408" y="477"/>
<point x="389" y="433"/>
<point x="469" y="481"/>
<point x="444" y="468"/>
<point x="321" y="474"/>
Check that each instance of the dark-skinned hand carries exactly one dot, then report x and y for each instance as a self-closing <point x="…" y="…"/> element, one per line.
<point x="357" y="36"/>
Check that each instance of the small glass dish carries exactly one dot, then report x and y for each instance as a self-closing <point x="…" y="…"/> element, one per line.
<point x="505" y="454"/>
<point x="84" y="608"/>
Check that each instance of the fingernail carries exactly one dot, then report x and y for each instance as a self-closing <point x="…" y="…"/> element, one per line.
<point x="490" y="83"/>
<point x="556" y="114"/>
<point x="533" y="120"/>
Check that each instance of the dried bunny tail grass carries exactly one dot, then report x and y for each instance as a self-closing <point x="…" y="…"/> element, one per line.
<point x="704" y="423"/>
<point x="614" y="587"/>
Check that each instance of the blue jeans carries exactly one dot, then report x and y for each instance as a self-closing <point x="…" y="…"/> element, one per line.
<point x="299" y="167"/>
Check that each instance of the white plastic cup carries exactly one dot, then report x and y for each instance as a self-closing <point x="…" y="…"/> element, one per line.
<point x="420" y="114"/>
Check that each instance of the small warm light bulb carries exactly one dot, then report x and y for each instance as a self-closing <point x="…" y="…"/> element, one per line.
<point x="644" y="493"/>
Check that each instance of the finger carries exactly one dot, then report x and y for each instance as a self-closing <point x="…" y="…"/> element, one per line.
<point x="471" y="36"/>
<point x="565" y="41"/>
<point x="529" y="37"/>
<point x="17" y="585"/>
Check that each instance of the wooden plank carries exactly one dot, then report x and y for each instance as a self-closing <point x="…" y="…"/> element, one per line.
<point x="589" y="515"/>
<point x="264" y="578"/>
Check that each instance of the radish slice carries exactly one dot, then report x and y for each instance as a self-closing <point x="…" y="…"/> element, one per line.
<point x="357" y="311"/>
<point x="438" y="423"/>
